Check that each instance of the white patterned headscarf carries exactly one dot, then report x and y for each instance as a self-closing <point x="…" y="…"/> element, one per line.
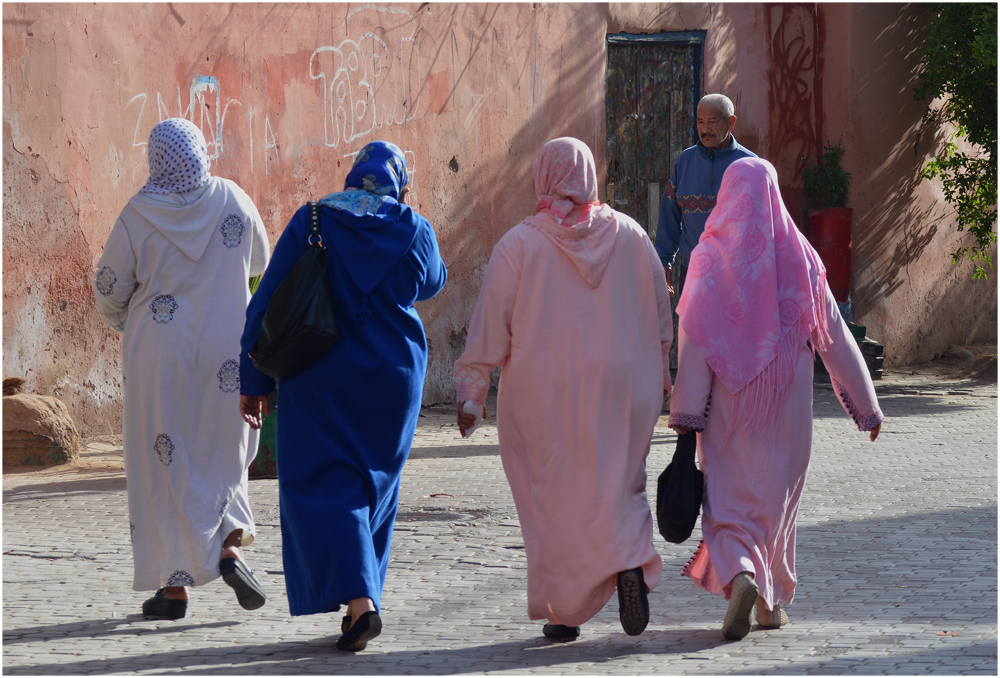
<point x="178" y="158"/>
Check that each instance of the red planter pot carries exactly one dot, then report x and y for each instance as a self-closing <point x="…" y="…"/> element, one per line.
<point x="830" y="235"/>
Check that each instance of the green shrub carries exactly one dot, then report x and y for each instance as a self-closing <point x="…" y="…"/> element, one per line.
<point x="828" y="182"/>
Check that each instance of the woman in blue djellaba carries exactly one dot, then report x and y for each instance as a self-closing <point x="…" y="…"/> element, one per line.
<point x="345" y="424"/>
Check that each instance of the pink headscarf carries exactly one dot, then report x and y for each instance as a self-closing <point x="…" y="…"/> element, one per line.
<point x="565" y="178"/>
<point x="568" y="213"/>
<point x="755" y="290"/>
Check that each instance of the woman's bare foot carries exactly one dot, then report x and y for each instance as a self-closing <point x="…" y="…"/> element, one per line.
<point x="231" y="547"/>
<point x="357" y="607"/>
<point x="231" y="552"/>
<point x="175" y="592"/>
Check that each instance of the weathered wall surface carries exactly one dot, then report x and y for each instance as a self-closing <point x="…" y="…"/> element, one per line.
<point x="286" y="94"/>
<point x="906" y="290"/>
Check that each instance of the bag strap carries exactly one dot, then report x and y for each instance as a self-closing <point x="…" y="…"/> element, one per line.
<point x="687" y="447"/>
<point x="314" y="225"/>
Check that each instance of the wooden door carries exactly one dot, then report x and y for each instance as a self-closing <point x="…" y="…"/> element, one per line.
<point x="652" y="88"/>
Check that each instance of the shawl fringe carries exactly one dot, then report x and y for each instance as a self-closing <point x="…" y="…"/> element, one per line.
<point x="758" y="404"/>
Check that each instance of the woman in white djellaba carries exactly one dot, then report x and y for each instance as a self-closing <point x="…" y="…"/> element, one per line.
<point x="174" y="278"/>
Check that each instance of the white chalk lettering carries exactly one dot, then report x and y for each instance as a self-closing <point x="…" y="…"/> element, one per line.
<point x="367" y="82"/>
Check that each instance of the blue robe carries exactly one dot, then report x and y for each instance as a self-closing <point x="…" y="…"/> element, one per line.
<point x="345" y="425"/>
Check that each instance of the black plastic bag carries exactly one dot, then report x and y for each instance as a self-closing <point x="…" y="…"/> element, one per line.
<point x="679" y="492"/>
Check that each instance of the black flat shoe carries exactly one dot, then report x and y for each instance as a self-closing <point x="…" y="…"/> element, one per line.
<point x="368" y="626"/>
<point x="345" y="624"/>
<point x="633" y="603"/>
<point x="165" y="608"/>
<point x="249" y="592"/>
<point x="561" y="632"/>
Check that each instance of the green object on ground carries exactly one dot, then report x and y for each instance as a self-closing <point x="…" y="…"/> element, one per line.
<point x="265" y="465"/>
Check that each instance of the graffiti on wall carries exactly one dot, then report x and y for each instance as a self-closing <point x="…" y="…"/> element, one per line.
<point x="204" y="108"/>
<point x="792" y="82"/>
<point x="205" y="95"/>
<point x="369" y="82"/>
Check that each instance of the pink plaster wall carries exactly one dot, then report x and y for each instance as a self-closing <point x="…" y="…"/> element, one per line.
<point x="483" y="85"/>
<point x="906" y="290"/>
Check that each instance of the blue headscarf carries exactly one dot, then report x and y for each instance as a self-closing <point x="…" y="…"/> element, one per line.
<point x="178" y="158"/>
<point x="370" y="230"/>
<point x="374" y="182"/>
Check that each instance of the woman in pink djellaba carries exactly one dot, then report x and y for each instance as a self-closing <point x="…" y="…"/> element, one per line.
<point x="574" y="307"/>
<point x="755" y="306"/>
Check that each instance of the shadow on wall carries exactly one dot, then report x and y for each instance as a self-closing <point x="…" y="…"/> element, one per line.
<point x="497" y="189"/>
<point x="902" y="235"/>
<point x="896" y="229"/>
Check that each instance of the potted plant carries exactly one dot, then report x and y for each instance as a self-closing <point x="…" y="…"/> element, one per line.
<point x="829" y="227"/>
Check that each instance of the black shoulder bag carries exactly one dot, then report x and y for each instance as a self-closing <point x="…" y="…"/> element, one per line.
<point x="298" y="327"/>
<point x="679" y="492"/>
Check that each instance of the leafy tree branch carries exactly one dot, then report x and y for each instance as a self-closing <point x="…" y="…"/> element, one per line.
<point x="959" y="66"/>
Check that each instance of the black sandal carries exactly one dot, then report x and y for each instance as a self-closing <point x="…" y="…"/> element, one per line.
<point x="561" y="632"/>
<point x="368" y="626"/>
<point x="165" y="608"/>
<point x="633" y="602"/>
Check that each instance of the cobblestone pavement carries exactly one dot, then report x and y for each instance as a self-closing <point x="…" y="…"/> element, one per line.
<point x="897" y="560"/>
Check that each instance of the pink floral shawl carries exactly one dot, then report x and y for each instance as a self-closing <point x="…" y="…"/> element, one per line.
<point x="755" y="291"/>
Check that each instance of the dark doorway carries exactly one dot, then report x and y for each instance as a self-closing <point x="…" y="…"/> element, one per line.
<point x="652" y="89"/>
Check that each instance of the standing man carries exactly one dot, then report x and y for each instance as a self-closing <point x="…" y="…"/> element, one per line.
<point x="690" y="193"/>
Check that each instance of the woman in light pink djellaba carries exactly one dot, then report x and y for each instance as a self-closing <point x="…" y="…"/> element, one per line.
<point x="755" y="300"/>
<point x="574" y="307"/>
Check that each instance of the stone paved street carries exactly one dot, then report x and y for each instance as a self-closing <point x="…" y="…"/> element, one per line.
<point x="897" y="558"/>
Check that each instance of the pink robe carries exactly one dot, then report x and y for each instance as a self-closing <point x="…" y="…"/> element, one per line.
<point x="754" y="482"/>
<point x="579" y="319"/>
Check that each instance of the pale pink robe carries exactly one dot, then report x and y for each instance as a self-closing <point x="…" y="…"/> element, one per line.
<point x="579" y="318"/>
<point x="753" y="481"/>
<point x="756" y="292"/>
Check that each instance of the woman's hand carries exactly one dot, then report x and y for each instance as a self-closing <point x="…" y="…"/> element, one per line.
<point x="254" y="409"/>
<point x="680" y="430"/>
<point x="875" y="431"/>
<point x="466" y="420"/>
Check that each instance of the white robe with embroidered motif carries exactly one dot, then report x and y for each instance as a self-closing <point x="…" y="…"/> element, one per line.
<point x="173" y="277"/>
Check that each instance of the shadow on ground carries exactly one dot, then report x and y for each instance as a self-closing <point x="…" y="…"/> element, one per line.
<point x="319" y="656"/>
<point x="867" y="563"/>
<point x="65" y="487"/>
